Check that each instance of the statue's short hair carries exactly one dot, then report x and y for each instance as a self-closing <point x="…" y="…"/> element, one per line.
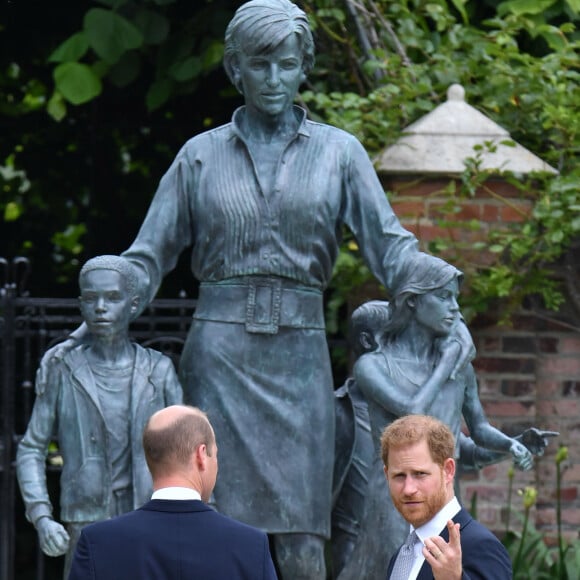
<point x="259" y="26"/>
<point x="115" y="263"/>
<point x="172" y="446"/>
<point x="371" y="317"/>
<point x="412" y="429"/>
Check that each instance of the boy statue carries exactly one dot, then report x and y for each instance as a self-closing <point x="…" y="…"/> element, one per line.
<point x="96" y="399"/>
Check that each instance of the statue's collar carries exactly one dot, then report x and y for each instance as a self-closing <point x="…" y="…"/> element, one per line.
<point x="240" y="112"/>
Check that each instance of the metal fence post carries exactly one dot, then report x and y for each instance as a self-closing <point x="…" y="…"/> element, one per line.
<point x="9" y="287"/>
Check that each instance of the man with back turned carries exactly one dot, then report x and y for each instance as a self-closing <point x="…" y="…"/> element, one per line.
<point x="176" y="534"/>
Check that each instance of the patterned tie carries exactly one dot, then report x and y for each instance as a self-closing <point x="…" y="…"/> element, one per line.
<point x="405" y="559"/>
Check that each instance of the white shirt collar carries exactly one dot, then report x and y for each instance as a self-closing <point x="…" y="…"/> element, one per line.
<point x="432" y="528"/>
<point x="435" y="526"/>
<point x="176" y="493"/>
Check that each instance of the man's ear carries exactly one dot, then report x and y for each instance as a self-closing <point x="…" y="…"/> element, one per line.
<point x="412" y="302"/>
<point x="386" y="470"/>
<point x="200" y="457"/>
<point x="449" y="469"/>
<point x="134" y="304"/>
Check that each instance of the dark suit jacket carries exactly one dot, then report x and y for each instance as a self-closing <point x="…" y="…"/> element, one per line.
<point x="172" y="540"/>
<point x="484" y="556"/>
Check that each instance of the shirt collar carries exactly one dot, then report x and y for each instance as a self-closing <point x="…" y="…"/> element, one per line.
<point x="240" y="112"/>
<point x="176" y="493"/>
<point x="434" y="526"/>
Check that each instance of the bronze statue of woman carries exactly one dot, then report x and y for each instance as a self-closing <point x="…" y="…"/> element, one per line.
<point x="261" y="203"/>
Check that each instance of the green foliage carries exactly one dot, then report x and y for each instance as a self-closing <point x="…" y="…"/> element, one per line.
<point x="124" y="41"/>
<point x="526" y="253"/>
<point x="110" y="35"/>
<point x="531" y="556"/>
<point x="129" y="81"/>
<point x="77" y="82"/>
<point x="520" y="67"/>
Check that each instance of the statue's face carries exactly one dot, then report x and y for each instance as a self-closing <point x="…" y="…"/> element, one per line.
<point x="105" y="302"/>
<point x="269" y="82"/>
<point x="438" y="310"/>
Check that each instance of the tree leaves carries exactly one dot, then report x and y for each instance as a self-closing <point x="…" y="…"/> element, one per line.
<point x="110" y="34"/>
<point x="72" y="49"/>
<point x="158" y="94"/>
<point x="77" y="82"/>
<point x="186" y="69"/>
<point x="153" y="26"/>
<point x="131" y="40"/>
<point x="520" y="7"/>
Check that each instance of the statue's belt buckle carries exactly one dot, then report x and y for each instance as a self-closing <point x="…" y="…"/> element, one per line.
<point x="263" y="306"/>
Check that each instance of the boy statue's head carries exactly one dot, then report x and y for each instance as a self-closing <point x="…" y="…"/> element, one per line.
<point x="367" y="324"/>
<point x="108" y="294"/>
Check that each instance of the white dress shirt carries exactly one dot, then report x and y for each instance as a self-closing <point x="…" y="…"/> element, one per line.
<point x="432" y="528"/>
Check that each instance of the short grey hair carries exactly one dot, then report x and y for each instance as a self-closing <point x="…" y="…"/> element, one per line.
<point x="115" y="263"/>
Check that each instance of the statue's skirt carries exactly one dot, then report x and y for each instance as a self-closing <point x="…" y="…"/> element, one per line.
<point x="270" y="400"/>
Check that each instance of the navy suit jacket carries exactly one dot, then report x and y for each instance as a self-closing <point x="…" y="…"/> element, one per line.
<point x="172" y="540"/>
<point x="484" y="557"/>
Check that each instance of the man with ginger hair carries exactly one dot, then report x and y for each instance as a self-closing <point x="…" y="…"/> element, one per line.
<point x="175" y="535"/>
<point x="445" y="542"/>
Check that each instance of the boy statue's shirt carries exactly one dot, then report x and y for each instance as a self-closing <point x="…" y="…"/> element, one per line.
<point x="114" y="387"/>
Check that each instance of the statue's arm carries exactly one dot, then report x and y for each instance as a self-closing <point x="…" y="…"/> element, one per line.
<point x="173" y="392"/>
<point x="483" y="433"/>
<point x="372" y="377"/>
<point x="375" y="383"/>
<point x="33" y="448"/>
<point x="166" y="230"/>
<point x="384" y="244"/>
<point x="31" y="460"/>
<point x="472" y="456"/>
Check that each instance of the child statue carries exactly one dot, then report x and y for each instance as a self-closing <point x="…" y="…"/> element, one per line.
<point x="96" y="399"/>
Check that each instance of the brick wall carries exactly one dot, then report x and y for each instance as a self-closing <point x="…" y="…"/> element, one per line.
<point x="529" y="373"/>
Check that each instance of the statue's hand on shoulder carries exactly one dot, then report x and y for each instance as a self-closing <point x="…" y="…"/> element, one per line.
<point x="536" y="440"/>
<point x="449" y="349"/>
<point x="58" y="351"/>
<point x="523" y="459"/>
<point x="462" y="335"/>
<point x="53" y="538"/>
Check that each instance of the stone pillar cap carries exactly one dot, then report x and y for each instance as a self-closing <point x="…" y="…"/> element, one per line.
<point x="439" y="143"/>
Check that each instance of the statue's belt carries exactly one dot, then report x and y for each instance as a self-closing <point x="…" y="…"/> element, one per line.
<point x="262" y="304"/>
